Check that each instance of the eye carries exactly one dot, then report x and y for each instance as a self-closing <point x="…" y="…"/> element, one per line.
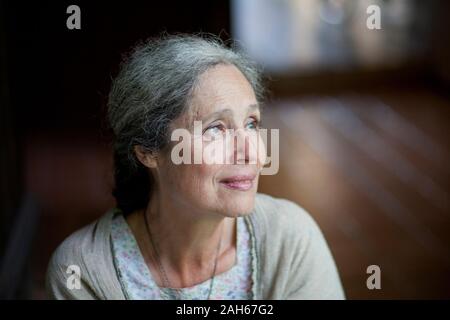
<point x="215" y="130"/>
<point x="253" y="124"/>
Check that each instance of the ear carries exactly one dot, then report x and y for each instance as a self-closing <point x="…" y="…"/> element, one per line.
<point x="145" y="157"/>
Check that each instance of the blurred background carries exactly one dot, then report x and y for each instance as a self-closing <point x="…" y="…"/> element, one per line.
<point x="363" y="117"/>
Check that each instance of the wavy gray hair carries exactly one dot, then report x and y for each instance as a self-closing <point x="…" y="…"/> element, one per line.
<point x="154" y="87"/>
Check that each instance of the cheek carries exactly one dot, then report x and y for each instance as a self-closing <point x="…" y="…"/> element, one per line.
<point x="214" y="152"/>
<point x="195" y="180"/>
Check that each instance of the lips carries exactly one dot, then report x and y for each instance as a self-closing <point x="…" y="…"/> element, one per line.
<point x="238" y="182"/>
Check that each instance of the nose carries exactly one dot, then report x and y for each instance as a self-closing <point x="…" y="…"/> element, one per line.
<point x="244" y="147"/>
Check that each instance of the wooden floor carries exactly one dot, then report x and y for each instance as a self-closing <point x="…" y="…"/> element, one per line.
<point x="372" y="169"/>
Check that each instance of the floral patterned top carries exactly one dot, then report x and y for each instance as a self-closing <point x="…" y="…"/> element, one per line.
<point x="138" y="284"/>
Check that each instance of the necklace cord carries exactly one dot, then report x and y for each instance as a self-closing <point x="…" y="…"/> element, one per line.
<point x="163" y="274"/>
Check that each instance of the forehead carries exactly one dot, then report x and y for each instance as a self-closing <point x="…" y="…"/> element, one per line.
<point x="218" y="88"/>
<point x="221" y="87"/>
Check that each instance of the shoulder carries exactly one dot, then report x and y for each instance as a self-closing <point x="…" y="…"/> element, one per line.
<point x="83" y="241"/>
<point x="282" y="215"/>
<point x="72" y="256"/>
<point x="72" y="248"/>
<point x="282" y="225"/>
<point x="295" y="256"/>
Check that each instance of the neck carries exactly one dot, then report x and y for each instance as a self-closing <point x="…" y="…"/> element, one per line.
<point x="187" y="239"/>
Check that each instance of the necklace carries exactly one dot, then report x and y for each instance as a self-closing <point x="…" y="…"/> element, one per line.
<point x="162" y="271"/>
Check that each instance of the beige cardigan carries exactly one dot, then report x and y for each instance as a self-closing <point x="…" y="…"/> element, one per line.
<point x="292" y="259"/>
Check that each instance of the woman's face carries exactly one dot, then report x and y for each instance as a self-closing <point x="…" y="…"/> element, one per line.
<point x="227" y="139"/>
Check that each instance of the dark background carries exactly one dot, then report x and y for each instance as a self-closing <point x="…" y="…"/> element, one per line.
<point x="55" y="157"/>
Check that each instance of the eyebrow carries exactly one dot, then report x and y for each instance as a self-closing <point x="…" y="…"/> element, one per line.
<point x="223" y="112"/>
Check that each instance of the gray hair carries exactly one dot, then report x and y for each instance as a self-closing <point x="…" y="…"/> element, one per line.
<point x="153" y="88"/>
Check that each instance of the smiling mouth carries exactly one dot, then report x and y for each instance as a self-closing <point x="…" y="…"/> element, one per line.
<point x="240" y="183"/>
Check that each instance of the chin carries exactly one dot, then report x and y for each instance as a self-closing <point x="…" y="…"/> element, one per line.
<point x="238" y="205"/>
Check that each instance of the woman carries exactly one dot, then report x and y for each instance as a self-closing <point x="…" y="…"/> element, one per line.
<point x="192" y="230"/>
